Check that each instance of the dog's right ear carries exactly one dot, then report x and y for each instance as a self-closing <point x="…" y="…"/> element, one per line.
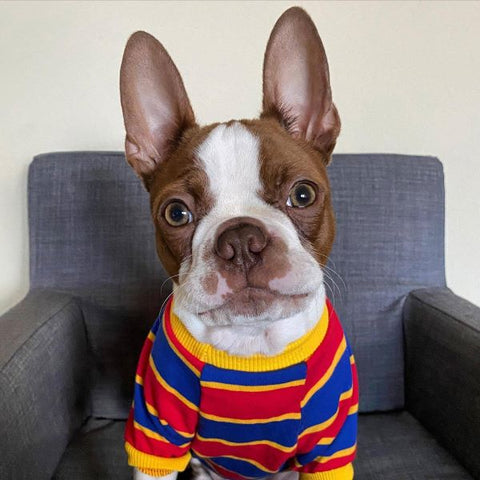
<point x="156" y="109"/>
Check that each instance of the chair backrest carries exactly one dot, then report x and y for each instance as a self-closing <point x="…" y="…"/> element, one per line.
<point x="91" y="235"/>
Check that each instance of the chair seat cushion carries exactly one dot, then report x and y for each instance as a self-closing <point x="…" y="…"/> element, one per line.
<point x="391" y="446"/>
<point x="395" y="446"/>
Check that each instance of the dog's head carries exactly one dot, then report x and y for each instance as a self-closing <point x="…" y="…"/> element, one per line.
<point x="242" y="210"/>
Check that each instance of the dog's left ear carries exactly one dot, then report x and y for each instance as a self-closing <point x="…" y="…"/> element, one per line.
<point x="296" y="83"/>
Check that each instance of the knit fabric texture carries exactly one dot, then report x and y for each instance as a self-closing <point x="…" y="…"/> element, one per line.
<point x="245" y="417"/>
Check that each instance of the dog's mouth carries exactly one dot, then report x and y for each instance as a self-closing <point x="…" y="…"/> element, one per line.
<point x="253" y="304"/>
<point x="255" y="289"/>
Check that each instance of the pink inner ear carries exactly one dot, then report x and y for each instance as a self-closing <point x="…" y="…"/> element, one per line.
<point x="155" y="105"/>
<point x="296" y="81"/>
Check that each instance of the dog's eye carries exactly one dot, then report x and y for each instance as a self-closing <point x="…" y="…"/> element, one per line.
<point x="301" y="195"/>
<point x="177" y="214"/>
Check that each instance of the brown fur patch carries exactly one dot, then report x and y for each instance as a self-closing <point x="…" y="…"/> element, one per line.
<point x="180" y="177"/>
<point x="210" y="283"/>
<point x="283" y="162"/>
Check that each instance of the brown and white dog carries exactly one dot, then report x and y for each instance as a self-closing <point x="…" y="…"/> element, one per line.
<point x="242" y="210"/>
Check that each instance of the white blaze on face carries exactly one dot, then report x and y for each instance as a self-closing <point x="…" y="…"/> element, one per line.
<point x="231" y="158"/>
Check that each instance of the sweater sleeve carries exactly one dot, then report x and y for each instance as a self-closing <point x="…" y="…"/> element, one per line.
<point x="164" y="414"/>
<point x="331" y="458"/>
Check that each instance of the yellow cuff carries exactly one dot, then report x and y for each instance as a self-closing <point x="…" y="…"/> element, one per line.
<point x="342" y="473"/>
<point x="151" y="463"/>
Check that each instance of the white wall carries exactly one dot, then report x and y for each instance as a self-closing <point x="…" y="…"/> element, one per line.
<point x="405" y="76"/>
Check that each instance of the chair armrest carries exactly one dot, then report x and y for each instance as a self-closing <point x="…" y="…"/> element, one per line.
<point x="43" y="382"/>
<point x="442" y="334"/>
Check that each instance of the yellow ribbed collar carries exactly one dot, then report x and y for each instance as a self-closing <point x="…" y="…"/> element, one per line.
<point x="296" y="352"/>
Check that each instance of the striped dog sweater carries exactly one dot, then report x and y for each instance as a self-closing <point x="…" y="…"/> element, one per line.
<point x="245" y="417"/>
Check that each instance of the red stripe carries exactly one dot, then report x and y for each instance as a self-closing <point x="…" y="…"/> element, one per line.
<point x="313" y="467"/>
<point x="128" y="428"/>
<point x="268" y="456"/>
<point x="322" y="358"/>
<point x="145" y="444"/>
<point x="336" y="426"/>
<point x="178" y="415"/>
<point x="197" y="363"/>
<point x="306" y="443"/>
<point x="247" y="405"/>
<point x="142" y="365"/>
<point x="355" y="384"/>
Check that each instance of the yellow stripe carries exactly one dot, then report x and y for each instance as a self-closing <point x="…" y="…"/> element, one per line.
<point x="353" y="409"/>
<point x="282" y="448"/>
<point x="247" y="460"/>
<point x="177" y="352"/>
<point x="136" y="458"/>
<point x="326" y="440"/>
<point x="340" y="453"/>
<point x="327" y="374"/>
<point x="321" y="426"/>
<point x="347" y="394"/>
<point x="170" y="389"/>
<point x="151" y="434"/>
<point x="252" y="388"/>
<point x="151" y="409"/>
<point x="343" y="473"/>
<point x="352" y="360"/>
<point x="296" y="352"/>
<point x="286" y="416"/>
<point x="151" y="336"/>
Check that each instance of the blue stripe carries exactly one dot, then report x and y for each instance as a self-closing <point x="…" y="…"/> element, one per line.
<point x="237" y="377"/>
<point x="240" y="467"/>
<point x="156" y="325"/>
<point x="284" y="432"/>
<point x="158" y="321"/>
<point x="346" y="438"/>
<point x="324" y="403"/>
<point x="173" y="370"/>
<point x="146" y="419"/>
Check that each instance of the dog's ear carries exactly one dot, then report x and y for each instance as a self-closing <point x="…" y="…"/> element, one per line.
<point x="156" y="109"/>
<point x="296" y="84"/>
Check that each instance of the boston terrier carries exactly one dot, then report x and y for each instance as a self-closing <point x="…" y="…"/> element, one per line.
<point x="246" y="372"/>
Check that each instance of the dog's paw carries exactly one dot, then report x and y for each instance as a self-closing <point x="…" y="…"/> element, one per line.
<point x="138" y="475"/>
<point x="199" y="472"/>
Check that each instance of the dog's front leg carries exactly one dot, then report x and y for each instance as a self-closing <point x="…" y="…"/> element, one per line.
<point x="138" y="475"/>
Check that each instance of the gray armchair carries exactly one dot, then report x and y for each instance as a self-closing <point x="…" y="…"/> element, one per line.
<point x="68" y="351"/>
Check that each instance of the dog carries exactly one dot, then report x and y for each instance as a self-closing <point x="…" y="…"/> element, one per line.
<point x="246" y="372"/>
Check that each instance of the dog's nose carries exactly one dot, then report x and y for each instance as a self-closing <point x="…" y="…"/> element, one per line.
<point x="240" y="241"/>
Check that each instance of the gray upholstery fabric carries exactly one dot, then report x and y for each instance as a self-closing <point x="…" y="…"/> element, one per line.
<point x="442" y="333"/>
<point x="391" y="447"/>
<point x="43" y="383"/>
<point x="91" y="235"/>
<point x="394" y="446"/>
<point x="96" y="453"/>
<point x="390" y="240"/>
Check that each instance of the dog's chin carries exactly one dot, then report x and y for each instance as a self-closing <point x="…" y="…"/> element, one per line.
<point x="253" y="320"/>
<point x="254" y="306"/>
